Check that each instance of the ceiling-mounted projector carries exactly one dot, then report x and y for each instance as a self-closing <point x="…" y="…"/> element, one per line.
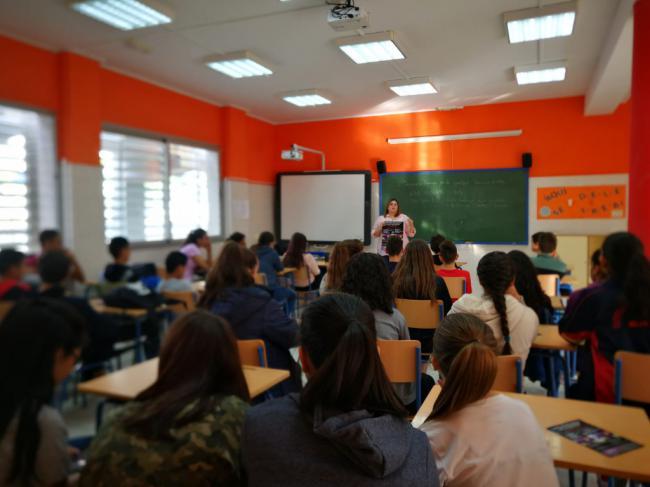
<point x="293" y="154"/>
<point x="346" y="16"/>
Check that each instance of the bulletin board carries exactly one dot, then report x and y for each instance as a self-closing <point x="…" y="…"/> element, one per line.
<point x="581" y="202"/>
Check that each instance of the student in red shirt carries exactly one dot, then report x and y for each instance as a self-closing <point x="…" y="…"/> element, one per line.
<point x="12" y="270"/>
<point x="449" y="255"/>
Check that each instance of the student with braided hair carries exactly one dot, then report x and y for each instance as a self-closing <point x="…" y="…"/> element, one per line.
<point x="514" y="324"/>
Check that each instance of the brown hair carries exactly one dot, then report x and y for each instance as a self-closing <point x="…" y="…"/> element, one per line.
<point x="199" y="362"/>
<point x="388" y="204"/>
<point x="414" y="277"/>
<point x="547" y="243"/>
<point x="448" y="252"/>
<point x="232" y="269"/>
<point x="464" y="347"/>
<point x="339" y="258"/>
<point x="297" y="247"/>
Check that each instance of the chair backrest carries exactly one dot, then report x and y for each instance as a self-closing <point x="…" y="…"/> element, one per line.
<point x="260" y="279"/>
<point x="186" y="299"/>
<point x="401" y="360"/>
<point x="456" y="286"/>
<point x="509" y="374"/>
<point x="630" y="380"/>
<point x="252" y="352"/>
<point x="421" y="313"/>
<point x="550" y="284"/>
<point x="5" y="307"/>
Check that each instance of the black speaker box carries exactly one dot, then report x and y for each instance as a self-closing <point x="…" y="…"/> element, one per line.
<point x="527" y="159"/>
<point x="381" y="167"/>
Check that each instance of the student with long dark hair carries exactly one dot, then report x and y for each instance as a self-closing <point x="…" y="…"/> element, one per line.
<point x="298" y="257"/>
<point x="476" y="435"/>
<point x="338" y="261"/>
<point x="367" y="277"/>
<point x="513" y="323"/>
<point x="609" y="317"/>
<point x="348" y="426"/>
<point x="185" y="428"/>
<point x="230" y="292"/>
<point x="40" y="342"/>
<point x="198" y="249"/>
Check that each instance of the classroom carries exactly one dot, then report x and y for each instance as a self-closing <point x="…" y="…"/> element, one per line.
<point x="353" y="242"/>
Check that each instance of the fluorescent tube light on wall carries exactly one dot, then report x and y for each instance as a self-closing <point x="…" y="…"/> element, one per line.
<point x="412" y="86"/>
<point x="533" y="24"/>
<point x="371" y="48"/>
<point x="124" y="14"/>
<point x="308" y="98"/>
<point x="540" y="73"/>
<point x="241" y="64"/>
<point x="449" y="137"/>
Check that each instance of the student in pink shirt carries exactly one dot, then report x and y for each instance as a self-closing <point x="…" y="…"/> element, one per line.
<point x="197" y="261"/>
<point x="392" y="222"/>
<point x="449" y="255"/>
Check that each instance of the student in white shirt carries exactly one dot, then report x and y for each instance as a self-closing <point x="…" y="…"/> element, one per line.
<point x="298" y="257"/>
<point x="403" y="226"/>
<point x="479" y="437"/>
<point x="513" y="323"/>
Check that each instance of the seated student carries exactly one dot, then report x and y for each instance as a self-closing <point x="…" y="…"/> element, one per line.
<point x="513" y="323"/>
<point x="611" y="316"/>
<point x="534" y="242"/>
<point x="239" y="238"/>
<point x="449" y="255"/>
<point x="185" y="428"/>
<point x="394" y="251"/>
<point x="12" y="270"/>
<point x="40" y="342"/>
<point x="270" y="264"/>
<point x="119" y="271"/>
<point x="198" y="249"/>
<point x="475" y="434"/>
<point x="175" y="267"/>
<point x="434" y="244"/>
<point x="298" y="257"/>
<point x="367" y="277"/>
<point x="51" y="241"/>
<point x="546" y="262"/>
<point x="230" y="292"/>
<point x="597" y="272"/>
<point x="338" y="261"/>
<point x="348" y="426"/>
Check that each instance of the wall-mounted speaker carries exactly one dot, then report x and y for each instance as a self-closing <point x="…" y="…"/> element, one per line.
<point x="527" y="159"/>
<point x="381" y="167"/>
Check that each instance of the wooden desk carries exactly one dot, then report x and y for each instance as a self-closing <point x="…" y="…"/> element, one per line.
<point x="125" y="384"/>
<point x="549" y="338"/>
<point x="99" y="306"/>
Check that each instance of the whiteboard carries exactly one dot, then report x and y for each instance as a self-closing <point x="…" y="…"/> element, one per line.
<point x="326" y="206"/>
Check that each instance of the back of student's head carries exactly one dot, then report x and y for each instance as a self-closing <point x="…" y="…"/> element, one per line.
<point x="435" y="242"/>
<point x="627" y="264"/>
<point x="338" y="335"/>
<point x="54" y="267"/>
<point x="341" y="254"/>
<point x="174" y="260"/>
<point x="547" y="243"/>
<point x="265" y="238"/>
<point x="448" y="252"/>
<point x="10" y="259"/>
<point x="234" y="269"/>
<point x="33" y="335"/>
<point x="496" y="273"/>
<point x="465" y="351"/>
<point x="297" y="247"/>
<point x="534" y="238"/>
<point x="394" y="245"/>
<point x="367" y="277"/>
<point x="48" y="237"/>
<point x="526" y="281"/>
<point x="414" y="275"/>
<point x="195" y="235"/>
<point x="237" y="237"/>
<point x="117" y="246"/>
<point x="199" y="364"/>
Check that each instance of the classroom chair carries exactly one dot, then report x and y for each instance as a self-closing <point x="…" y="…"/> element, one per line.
<point x="509" y="374"/>
<point x="252" y="352"/>
<point x="457" y="286"/>
<point x="5" y="307"/>
<point x="182" y="301"/>
<point x="260" y="279"/>
<point x="630" y="381"/>
<point x="303" y="298"/>
<point x="550" y="284"/>
<point x="399" y="367"/>
<point x="421" y="313"/>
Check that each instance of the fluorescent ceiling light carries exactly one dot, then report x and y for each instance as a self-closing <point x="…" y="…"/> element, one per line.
<point x="412" y="86"/>
<point x="240" y="64"/>
<point x="540" y="73"/>
<point x="371" y="48"/>
<point x="124" y="14"/>
<point x="445" y="138"/>
<point x="309" y="98"/>
<point x="546" y="22"/>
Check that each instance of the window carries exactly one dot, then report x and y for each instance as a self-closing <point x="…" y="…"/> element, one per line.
<point x="158" y="191"/>
<point x="28" y="177"/>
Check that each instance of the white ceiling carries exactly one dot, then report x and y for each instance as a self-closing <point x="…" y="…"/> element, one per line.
<point x="460" y="44"/>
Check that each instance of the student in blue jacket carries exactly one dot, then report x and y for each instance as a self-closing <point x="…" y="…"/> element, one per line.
<point x="269" y="265"/>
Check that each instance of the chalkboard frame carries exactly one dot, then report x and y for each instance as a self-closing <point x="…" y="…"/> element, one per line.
<point x="366" y="202"/>
<point x="507" y="169"/>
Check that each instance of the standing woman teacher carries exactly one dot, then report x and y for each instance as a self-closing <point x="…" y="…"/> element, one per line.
<point x="392" y="222"/>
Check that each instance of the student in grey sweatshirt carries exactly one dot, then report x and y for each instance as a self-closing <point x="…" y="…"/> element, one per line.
<point x="347" y="427"/>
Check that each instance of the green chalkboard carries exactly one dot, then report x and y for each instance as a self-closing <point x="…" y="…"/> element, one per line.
<point x="489" y="206"/>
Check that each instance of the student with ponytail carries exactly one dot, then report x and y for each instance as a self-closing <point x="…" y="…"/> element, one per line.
<point x="348" y="426"/>
<point x="513" y="323"/>
<point x="476" y="435"/>
<point x="609" y="317"/>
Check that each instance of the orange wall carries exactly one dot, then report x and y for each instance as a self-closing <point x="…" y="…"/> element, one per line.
<point x="563" y="141"/>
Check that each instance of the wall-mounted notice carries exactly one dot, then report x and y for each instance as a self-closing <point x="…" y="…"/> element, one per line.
<point x="581" y="202"/>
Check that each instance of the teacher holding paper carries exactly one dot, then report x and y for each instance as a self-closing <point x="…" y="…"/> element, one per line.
<point x="393" y="222"/>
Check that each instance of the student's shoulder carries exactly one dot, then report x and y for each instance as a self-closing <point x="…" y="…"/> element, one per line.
<point x="518" y="411"/>
<point x="50" y="420"/>
<point x="273" y="413"/>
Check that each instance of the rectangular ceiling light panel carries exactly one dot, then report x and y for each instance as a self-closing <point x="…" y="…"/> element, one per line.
<point x="546" y="22"/>
<point x="306" y="99"/>
<point x="238" y="65"/>
<point x="371" y="48"/>
<point x="124" y="14"/>
<point x="412" y="86"/>
<point x="540" y="73"/>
